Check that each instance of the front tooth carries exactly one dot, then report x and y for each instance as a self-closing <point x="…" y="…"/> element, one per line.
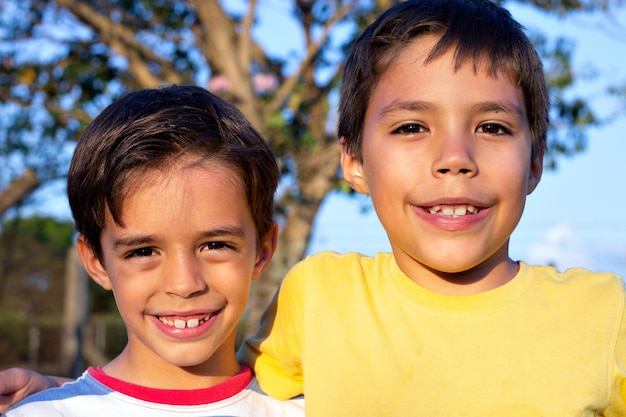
<point x="460" y="211"/>
<point x="193" y="323"/>
<point x="447" y="211"/>
<point x="179" y="324"/>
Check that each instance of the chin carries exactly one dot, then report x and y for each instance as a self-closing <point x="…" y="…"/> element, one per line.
<point x="457" y="270"/>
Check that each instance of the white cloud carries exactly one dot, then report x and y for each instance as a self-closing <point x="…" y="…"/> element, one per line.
<point x="562" y="247"/>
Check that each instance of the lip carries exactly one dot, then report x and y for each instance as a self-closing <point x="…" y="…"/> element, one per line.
<point x="448" y="223"/>
<point x="186" y="332"/>
<point x="453" y="201"/>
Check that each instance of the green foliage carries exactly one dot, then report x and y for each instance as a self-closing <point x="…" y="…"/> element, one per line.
<point x="51" y="96"/>
<point x="13" y="338"/>
<point x="32" y="264"/>
<point x="571" y="115"/>
<point x="46" y="230"/>
<point x="32" y="271"/>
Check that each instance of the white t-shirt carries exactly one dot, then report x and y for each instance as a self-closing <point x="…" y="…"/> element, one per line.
<point x="95" y="394"/>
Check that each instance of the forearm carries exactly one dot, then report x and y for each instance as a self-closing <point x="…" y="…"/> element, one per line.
<point x="18" y="383"/>
<point x="56" y="381"/>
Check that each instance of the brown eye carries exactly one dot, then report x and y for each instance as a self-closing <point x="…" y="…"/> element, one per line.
<point x="141" y="252"/>
<point x="409" y="129"/>
<point x="494" y="129"/>
<point x="216" y="245"/>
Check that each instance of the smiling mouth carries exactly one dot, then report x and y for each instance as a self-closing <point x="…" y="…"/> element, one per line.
<point x="453" y="211"/>
<point x="182" y="324"/>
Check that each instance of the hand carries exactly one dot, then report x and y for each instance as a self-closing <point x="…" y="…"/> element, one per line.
<point x="18" y="383"/>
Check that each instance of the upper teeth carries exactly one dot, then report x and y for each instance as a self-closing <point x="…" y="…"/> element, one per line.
<point x="453" y="211"/>
<point x="181" y="324"/>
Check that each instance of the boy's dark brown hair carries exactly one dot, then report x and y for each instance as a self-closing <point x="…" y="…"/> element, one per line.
<point x="481" y="33"/>
<point x="151" y="129"/>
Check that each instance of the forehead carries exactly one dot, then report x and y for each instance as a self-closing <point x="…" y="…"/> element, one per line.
<point x="415" y="88"/>
<point x="426" y="48"/>
<point x="417" y="68"/>
<point x="183" y="184"/>
<point x="176" y="170"/>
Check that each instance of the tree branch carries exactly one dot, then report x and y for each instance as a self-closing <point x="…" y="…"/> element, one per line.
<point x="246" y="35"/>
<point x="219" y="43"/>
<point x="122" y="39"/>
<point x="313" y="49"/>
<point x="19" y="188"/>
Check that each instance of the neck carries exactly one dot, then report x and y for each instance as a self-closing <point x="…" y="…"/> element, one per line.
<point x="481" y="278"/>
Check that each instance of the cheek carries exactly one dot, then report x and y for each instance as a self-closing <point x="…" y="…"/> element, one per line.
<point x="232" y="282"/>
<point x="514" y="182"/>
<point x="512" y="166"/>
<point x="130" y="294"/>
<point x="236" y="296"/>
<point x="131" y="287"/>
<point x="390" y="174"/>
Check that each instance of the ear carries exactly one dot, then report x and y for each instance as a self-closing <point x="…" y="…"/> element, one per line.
<point x="534" y="175"/>
<point x="265" y="251"/>
<point x="352" y="170"/>
<point x="92" y="263"/>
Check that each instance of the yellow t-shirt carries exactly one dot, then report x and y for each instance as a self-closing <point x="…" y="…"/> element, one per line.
<point x="359" y="338"/>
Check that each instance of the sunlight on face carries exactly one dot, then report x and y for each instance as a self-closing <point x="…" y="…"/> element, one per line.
<point x="180" y="268"/>
<point x="447" y="162"/>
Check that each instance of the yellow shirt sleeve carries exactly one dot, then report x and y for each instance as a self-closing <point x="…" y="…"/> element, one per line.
<point x="618" y="399"/>
<point x="275" y="352"/>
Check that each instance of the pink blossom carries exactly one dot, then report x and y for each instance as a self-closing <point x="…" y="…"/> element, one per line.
<point x="264" y="83"/>
<point x="219" y="83"/>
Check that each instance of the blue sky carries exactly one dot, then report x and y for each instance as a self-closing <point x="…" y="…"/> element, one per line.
<point x="577" y="215"/>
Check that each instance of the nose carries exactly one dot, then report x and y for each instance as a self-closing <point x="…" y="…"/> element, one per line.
<point x="455" y="155"/>
<point x="183" y="277"/>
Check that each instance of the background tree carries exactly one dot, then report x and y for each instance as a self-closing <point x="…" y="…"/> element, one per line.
<point x="65" y="60"/>
<point x="32" y="251"/>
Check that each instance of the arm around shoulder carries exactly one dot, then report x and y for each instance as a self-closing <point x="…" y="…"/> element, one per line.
<point x="18" y="383"/>
<point x="275" y="352"/>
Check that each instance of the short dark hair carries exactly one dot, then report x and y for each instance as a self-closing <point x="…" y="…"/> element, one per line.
<point x="480" y="31"/>
<point x="150" y="129"/>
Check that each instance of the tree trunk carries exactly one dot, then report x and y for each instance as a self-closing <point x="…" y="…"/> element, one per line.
<point x="75" y="314"/>
<point x="318" y="174"/>
<point x="290" y="249"/>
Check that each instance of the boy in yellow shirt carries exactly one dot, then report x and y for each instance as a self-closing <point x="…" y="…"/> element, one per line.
<point x="443" y="121"/>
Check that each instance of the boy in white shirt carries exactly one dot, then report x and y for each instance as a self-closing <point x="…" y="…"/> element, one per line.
<point x="171" y="191"/>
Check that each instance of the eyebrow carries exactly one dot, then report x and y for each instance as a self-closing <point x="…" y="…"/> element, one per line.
<point x="501" y="106"/>
<point x="410" y="105"/>
<point x="133" y="241"/>
<point x="485" y="107"/>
